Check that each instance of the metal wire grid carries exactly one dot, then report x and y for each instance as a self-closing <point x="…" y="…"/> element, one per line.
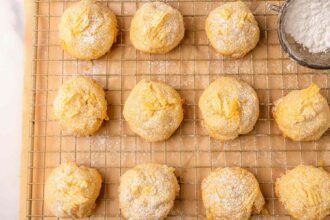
<point x="189" y="68"/>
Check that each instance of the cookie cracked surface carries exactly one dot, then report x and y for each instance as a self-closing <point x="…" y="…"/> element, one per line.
<point x="302" y="115"/>
<point x="156" y="28"/>
<point x="87" y="30"/>
<point x="147" y="192"/>
<point x="153" y="110"/>
<point x="305" y="192"/>
<point x="71" y="191"/>
<point x="232" y="29"/>
<point x="229" y="107"/>
<point x="80" y="106"/>
<point x="231" y="193"/>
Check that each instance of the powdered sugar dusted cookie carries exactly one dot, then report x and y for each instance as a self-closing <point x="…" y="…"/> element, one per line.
<point x="147" y="192"/>
<point x="156" y="28"/>
<point x="80" y="106"/>
<point x="71" y="191"/>
<point x="232" y="29"/>
<point x="229" y="107"/>
<point x="153" y="110"/>
<point x="305" y="192"/>
<point x="302" y="115"/>
<point x="87" y="30"/>
<point x="231" y="193"/>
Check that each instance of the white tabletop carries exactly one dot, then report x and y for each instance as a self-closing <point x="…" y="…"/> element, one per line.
<point x="11" y="81"/>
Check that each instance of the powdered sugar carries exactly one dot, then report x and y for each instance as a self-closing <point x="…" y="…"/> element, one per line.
<point x="308" y="22"/>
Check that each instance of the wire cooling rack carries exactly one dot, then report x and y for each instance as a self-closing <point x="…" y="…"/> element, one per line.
<point x="189" y="69"/>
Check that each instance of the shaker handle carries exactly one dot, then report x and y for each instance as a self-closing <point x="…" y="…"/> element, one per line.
<point x="275" y="8"/>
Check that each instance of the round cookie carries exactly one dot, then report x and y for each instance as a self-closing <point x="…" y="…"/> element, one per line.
<point x="153" y="110"/>
<point x="156" y="28"/>
<point x="71" y="191"/>
<point x="87" y="30"/>
<point x="80" y="106"/>
<point x="232" y="29"/>
<point x="302" y="115"/>
<point x="231" y="193"/>
<point x="229" y="107"/>
<point x="305" y="192"/>
<point x="147" y="192"/>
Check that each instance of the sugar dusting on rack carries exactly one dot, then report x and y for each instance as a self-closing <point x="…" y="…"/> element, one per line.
<point x="308" y="22"/>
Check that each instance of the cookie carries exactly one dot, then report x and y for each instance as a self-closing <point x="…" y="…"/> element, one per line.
<point x="305" y="192"/>
<point x="80" y="106"/>
<point x="229" y="107"/>
<point x="156" y="28"/>
<point x="71" y="191"/>
<point x="231" y="193"/>
<point x="147" y="192"/>
<point x="232" y="29"/>
<point x="153" y="110"/>
<point x="302" y="115"/>
<point x="87" y="30"/>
